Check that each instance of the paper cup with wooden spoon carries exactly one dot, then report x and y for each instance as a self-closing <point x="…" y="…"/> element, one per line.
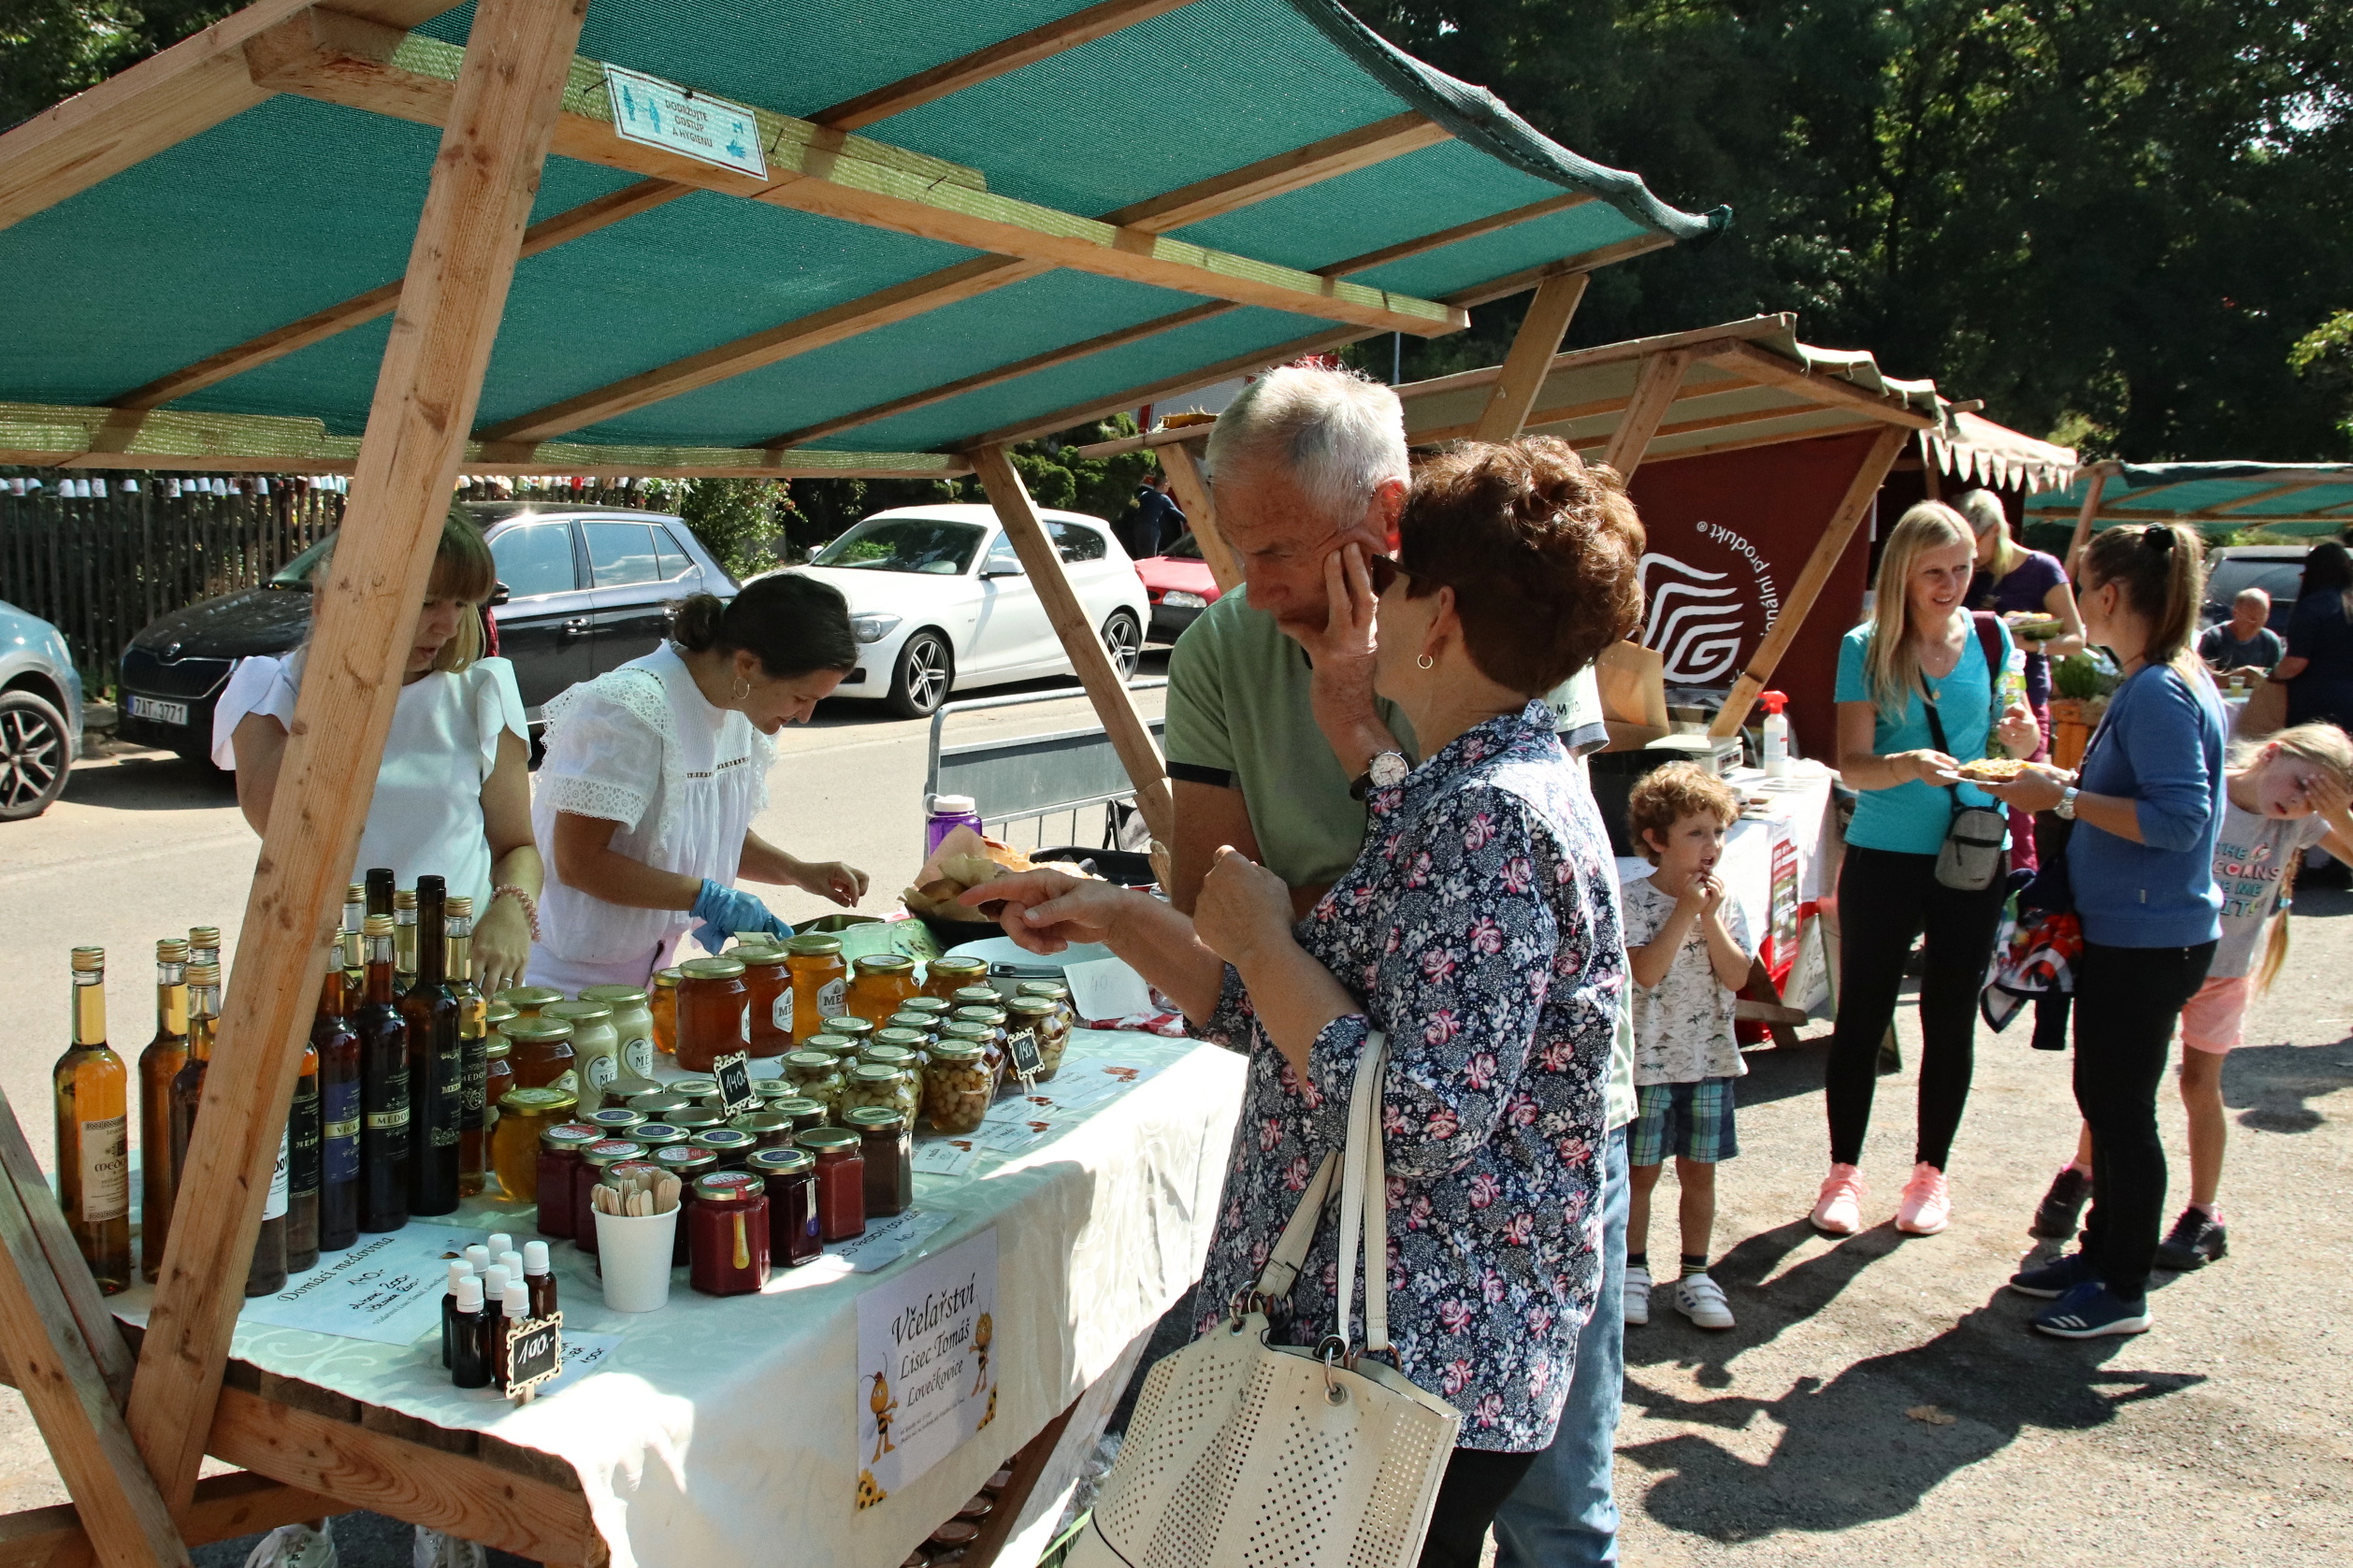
<point x="637" y="1217"/>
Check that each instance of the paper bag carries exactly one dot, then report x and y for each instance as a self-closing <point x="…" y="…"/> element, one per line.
<point x="1633" y="682"/>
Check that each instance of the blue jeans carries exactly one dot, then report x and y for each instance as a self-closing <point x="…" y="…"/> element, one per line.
<point x="1564" y="1514"/>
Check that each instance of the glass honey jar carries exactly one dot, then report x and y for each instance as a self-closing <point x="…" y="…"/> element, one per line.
<point x="820" y="981"/>
<point x="526" y="1000"/>
<point x="515" y="1150"/>
<point x="943" y="977"/>
<point x="881" y="982"/>
<point x="539" y="1052"/>
<point x="768" y="985"/>
<point x="661" y="1000"/>
<point x="713" y="1011"/>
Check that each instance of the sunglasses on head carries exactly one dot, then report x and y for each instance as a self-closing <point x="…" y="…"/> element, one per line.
<point x="1384" y="572"/>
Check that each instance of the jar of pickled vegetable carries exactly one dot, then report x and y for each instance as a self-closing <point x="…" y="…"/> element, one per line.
<point x="983" y="995"/>
<point x="766" y="1129"/>
<point x="943" y="977"/>
<point x="662" y="1002"/>
<point x="770" y="1089"/>
<point x="887" y="1144"/>
<point x="596" y="1044"/>
<point x="725" y="1143"/>
<point x="841" y="1047"/>
<point x="840" y="1181"/>
<point x="540" y="1055"/>
<point x="559" y="1155"/>
<point x="802" y="1113"/>
<point x="820" y="981"/>
<point x="892" y="1055"/>
<point x="526" y="1000"/>
<point x="770" y="994"/>
<point x="958" y="1086"/>
<point x="633" y="1021"/>
<point x="988" y="1041"/>
<point x="847" y="1026"/>
<point x="925" y="1025"/>
<point x="934" y="1008"/>
<point x="727" y="1248"/>
<point x="815" y="1075"/>
<point x="714" y="1012"/>
<point x="881" y="982"/>
<point x="1044" y="1021"/>
<point x="514" y="1153"/>
<point x="791" y="1175"/>
<point x="1055" y="992"/>
<point x="594" y="1159"/>
<point x="872" y="1083"/>
<point x="915" y="1042"/>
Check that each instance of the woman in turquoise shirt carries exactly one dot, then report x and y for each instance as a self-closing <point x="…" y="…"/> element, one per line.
<point x="1919" y="648"/>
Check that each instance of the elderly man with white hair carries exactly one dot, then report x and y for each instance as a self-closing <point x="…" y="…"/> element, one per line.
<point x="1273" y="733"/>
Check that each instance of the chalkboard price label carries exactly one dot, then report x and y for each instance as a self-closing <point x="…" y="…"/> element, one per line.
<point x="734" y="1075"/>
<point x="1022" y="1052"/>
<point x="534" y="1353"/>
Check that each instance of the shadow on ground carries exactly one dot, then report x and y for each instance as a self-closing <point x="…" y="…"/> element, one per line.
<point x="145" y="781"/>
<point x="361" y="1541"/>
<point x="2272" y="1087"/>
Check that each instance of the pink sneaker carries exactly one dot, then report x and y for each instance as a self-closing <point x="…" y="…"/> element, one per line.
<point x="1839" y="1212"/>
<point x="1926" y="1207"/>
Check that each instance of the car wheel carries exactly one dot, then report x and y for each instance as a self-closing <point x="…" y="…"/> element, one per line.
<point x="35" y="755"/>
<point x="1123" y="639"/>
<point x="924" y="670"/>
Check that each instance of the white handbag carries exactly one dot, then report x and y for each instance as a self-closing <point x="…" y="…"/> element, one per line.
<point x="1243" y="1454"/>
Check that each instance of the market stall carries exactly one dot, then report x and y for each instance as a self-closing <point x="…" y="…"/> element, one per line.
<point x="804" y="246"/>
<point x="2288" y="499"/>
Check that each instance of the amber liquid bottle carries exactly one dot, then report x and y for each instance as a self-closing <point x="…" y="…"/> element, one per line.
<point x="187" y="1084"/>
<point x="204" y="946"/>
<point x="94" y="1152"/>
<point x="404" y="941"/>
<point x="435" y="1083"/>
<point x="302" y="1165"/>
<point x="375" y="899"/>
<point x="338" y="1046"/>
<point x="354" y="950"/>
<point x="165" y="1055"/>
<point x="473" y="1043"/>
<point x="384" y="1091"/>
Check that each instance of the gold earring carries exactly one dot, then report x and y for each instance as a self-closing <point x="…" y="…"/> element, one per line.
<point x="1426" y="661"/>
<point x="742" y="690"/>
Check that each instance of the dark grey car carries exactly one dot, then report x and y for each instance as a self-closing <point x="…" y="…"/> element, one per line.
<point x="584" y="589"/>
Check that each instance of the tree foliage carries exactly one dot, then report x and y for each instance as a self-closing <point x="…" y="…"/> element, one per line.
<point x="51" y="49"/>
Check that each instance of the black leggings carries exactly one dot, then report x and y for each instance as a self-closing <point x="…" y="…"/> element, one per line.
<point x="1885" y="900"/>
<point x="1477" y="1482"/>
<point x="2127" y="1001"/>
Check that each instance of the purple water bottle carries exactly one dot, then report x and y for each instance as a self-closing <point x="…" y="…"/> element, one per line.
<point x="949" y="814"/>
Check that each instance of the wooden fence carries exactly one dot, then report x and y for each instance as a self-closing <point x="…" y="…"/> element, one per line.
<point x="100" y="567"/>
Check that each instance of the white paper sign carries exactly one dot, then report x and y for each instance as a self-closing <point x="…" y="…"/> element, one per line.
<point x="584" y="1354"/>
<point x="1106" y="989"/>
<point x="386" y="1289"/>
<point x="927" y="1380"/>
<point x="657" y="113"/>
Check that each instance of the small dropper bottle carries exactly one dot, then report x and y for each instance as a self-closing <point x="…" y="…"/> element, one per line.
<point x="538" y="1278"/>
<point x="469" y="1363"/>
<point x="459" y="1271"/>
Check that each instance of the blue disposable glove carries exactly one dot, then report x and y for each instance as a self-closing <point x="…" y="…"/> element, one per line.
<point x="725" y="911"/>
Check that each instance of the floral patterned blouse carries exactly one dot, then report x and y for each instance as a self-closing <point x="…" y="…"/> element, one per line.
<point x="1479" y="927"/>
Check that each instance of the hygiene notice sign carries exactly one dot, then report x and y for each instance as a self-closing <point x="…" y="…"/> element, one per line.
<point x="658" y="113"/>
<point x="927" y="1365"/>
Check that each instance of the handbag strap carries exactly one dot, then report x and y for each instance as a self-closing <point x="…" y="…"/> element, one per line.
<point x="1364" y="1206"/>
<point x="1988" y="644"/>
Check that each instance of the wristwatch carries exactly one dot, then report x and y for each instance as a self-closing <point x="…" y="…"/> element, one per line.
<point x="2066" y="807"/>
<point x="1387" y="772"/>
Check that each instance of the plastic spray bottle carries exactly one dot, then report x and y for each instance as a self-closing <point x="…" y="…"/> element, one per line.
<point x="1776" y="758"/>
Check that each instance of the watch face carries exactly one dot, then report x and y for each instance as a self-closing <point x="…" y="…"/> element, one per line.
<point x="1388" y="770"/>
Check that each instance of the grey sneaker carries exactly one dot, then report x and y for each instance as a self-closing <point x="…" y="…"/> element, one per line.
<point x="294" y="1545"/>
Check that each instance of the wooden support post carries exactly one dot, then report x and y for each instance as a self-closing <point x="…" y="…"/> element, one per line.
<point x="2085" y="514"/>
<point x="454" y="290"/>
<point x="227" y="1508"/>
<point x="1201" y="511"/>
<point x="1653" y="395"/>
<point x="1530" y="360"/>
<point x="1106" y="686"/>
<point x="126" y="1522"/>
<point x="1836" y="535"/>
<point x="99" y="1330"/>
<point x="1930" y="482"/>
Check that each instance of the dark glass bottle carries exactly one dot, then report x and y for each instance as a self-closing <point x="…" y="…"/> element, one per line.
<point x="473" y="1045"/>
<point x="302" y="1166"/>
<point x="435" y="1088"/>
<point x="266" y="1270"/>
<point x="187" y="1084"/>
<point x="165" y="1055"/>
<point x="384" y="1091"/>
<point x="337" y="1044"/>
<point x="93" y="1091"/>
<point x="355" y="949"/>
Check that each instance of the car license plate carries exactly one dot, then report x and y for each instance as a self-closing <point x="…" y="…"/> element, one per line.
<point x="160" y="712"/>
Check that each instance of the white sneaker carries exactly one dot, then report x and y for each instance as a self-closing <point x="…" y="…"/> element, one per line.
<point x="294" y="1545"/>
<point x="1701" y="1300"/>
<point x="430" y="1549"/>
<point x="1637" y="1296"/>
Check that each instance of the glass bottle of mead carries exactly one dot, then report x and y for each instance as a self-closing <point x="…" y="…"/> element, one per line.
<point x="473" y="1043"/>
<point x="165" y="1055"/>
<point x="384" y="1091"/>
<point x="93" y="1155"/>
<point x="435" y="1081"/>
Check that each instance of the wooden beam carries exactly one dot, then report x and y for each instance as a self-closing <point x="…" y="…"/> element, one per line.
<point x="1623" y="351"/>
<point x="814" y="168"/>
<point x="1653" y="395"/>
<point x="1752" y="363"/>
<point x="459" y="270"/>
<point x="1440" y="238"/>
<point x="1836" y="535"/>
<point x="1182" y="465"/>
<point x="227" y="1508"/>
<point x="2227" y="508"/>
<point x="2089" y="511"/>
<point x="42" y="1344"/>
<point x="1584" y="260"/>
<point x="157" y="104"/>
<point x="1281" y="174"/>
<point x="998" y="59"/>
<point x="1744" y="443"/>
<point x="1929" y="480"/>
<point x="1530" y="359"/>
<point x="1106" y="687"/>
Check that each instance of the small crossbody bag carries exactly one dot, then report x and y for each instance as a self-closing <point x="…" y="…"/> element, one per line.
<point x="1975" y="852"/>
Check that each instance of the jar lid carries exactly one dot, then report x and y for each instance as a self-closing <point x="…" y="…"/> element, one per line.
<point x="621" y="1171"/>
<point x="918" y="1024"/>
<point x="722" y="1137"/>
<point x="932" y="1006"/>
<point x="684" y="1159"/>
<point x="977" y="1508"/>
<point x="1034" y="1007"/>
<point x="521" y="998"/>
<point x="850" y="1028"/>
<point x="976" y="1014"/>
<point x="796" y="1107"/>
<point x="578" y="1012"/>
<point x="827" y="1140"/>
<point x="875" y="1073"/>
<point x="873" y="1118"/>
<point x="1052" y="989"/>
<point x="955" y="1533"/>
<point x="774" y="1088"/>
<point x="897" y="1057"/>
<point x="779" y="1162"/>
<point x="974" y="996"/>
<point x="695" y="1088"/>
<point x="539" y="1031"/>
<point x="538" y="1102"/>
<point x="665" y="979"/>
<point x="809" y="1061"/>
<point x="813" y="945"/>
<point x="710" y="969"/>
<point x="728" y="1186"/>
<point x="612" y="1151"/>
<point x="694" y="1118"/>
<point x="755" y="1123"/>
<point x="902" y="1037"/>
<point x="628" y="1086"/>
<point x="758" y="950"/>
<point x="830" y="1044"/>
<point x="614" y="996"/>
<point x="961" y="1030"/>
<point x="659" y="1103"/>
<point x="956" y="1051"/>
<point x="498" y="1045"/>
<point x="887" y="963"/>
<point x="617" y="1118"/>
<point x="498" y="1012"/>
<point x="656" y="1135"/>
<point x="954" y="805"/>
<point x="960" y="963"/>
<point x="575" y="1136"/>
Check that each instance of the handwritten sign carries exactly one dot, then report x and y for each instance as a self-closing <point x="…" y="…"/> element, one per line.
<point x="927" y="1367"/>
<point x="534" y="1353"/>
<point x="387" y="1288"/>
<point x="734" y="1075"/>
<point x="1022" y="1052"/>
<point x="657" y="113"/>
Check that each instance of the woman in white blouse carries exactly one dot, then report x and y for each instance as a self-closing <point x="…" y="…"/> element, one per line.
<point x="655" y="772"/>
<point x="453" y="792"/>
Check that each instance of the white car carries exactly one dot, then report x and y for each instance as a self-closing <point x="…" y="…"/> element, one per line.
<point x="940" y="602"/>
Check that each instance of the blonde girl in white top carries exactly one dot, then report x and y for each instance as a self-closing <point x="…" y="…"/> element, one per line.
<point x="655" y="772"/>
<point x="453" y="794"/>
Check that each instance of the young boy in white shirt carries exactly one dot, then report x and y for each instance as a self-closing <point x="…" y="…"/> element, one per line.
<point x="1688" y="949"/>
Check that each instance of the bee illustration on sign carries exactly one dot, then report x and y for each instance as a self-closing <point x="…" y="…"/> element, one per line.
<point x="982" y="1332"/>
<point x="878" y="1400"/>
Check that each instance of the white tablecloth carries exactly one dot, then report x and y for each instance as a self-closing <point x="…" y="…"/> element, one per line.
<point x="725" y="1430"/>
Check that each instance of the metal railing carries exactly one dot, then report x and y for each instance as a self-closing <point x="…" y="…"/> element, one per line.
<point x="1032" y="778"/>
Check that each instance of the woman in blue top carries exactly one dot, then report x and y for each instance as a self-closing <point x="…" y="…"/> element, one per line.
<point x="1918" y="659"/>
<point x="2147" y="806"/>
<point x="2318" y="668"/>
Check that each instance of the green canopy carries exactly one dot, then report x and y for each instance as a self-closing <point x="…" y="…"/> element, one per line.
<point x="920" y="227"/>
<point x="2286" y="497"/>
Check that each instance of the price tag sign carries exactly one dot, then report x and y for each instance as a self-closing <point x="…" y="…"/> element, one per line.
<point x="734" y="1075"/>
<point x="1021" y="1051"/>
<point x="534" y="1353"/>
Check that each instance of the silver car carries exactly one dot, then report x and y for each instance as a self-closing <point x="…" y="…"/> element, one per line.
<point x="40" y="713"/>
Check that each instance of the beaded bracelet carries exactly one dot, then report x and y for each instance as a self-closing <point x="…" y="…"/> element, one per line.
<point x="530" y="906"/>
